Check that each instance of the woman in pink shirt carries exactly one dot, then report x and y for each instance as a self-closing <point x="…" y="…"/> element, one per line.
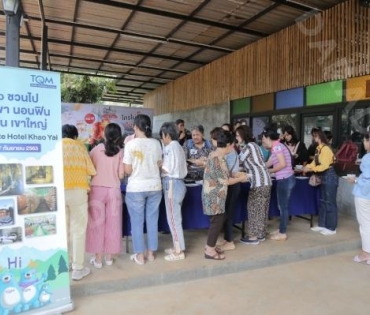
<point x="104" y="228"/>
<point x="281" y="163"/>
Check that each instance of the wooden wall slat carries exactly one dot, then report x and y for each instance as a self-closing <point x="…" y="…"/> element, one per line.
<point x="330" y="46"/>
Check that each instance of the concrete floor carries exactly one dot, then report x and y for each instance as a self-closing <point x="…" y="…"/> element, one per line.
<point x="321" y="286"/>
<point x="307" y="274"/>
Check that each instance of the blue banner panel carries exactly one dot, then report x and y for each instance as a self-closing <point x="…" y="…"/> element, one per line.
<point x="290" y="98"/>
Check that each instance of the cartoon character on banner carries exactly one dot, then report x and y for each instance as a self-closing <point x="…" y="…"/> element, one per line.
<point x="10" y="294"/>
<point x="45" y="295"/>
<point x="31" y="287"/>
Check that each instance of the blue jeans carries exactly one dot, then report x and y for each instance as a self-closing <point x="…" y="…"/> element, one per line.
<point x="174" y="192"/>
<point x="140" y="206"/>
<point x="328" y="210"/>
<point x="284" y="189"/>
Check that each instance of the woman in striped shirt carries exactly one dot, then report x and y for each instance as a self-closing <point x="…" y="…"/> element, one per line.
<point x="259" y="194"/>
<point x="281" y="163"/>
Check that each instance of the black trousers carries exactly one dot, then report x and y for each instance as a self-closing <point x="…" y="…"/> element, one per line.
<point x="215" y="227"/>
<point x="233" y="192"/>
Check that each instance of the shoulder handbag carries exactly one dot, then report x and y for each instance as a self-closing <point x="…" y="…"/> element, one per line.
<point x="314" y="180"/>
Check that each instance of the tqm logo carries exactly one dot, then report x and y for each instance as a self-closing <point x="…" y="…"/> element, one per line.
<point x="42" y="82"/>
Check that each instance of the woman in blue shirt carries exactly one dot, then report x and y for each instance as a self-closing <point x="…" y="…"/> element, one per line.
<point x="361" y="191"/>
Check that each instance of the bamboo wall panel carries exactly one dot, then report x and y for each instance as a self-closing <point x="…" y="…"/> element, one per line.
<point x="333" y="45"/>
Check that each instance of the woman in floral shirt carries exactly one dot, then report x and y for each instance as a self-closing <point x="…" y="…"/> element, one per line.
<point x="215" y="182"/>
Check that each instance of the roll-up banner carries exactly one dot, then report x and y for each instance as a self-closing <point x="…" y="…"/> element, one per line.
<point x="34" y="264"/>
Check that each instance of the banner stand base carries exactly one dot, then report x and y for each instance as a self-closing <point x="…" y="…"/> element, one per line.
<point x="57" y="310"/>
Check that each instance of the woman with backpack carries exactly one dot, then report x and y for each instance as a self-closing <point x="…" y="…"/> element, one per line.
<point x="323" y="166"/>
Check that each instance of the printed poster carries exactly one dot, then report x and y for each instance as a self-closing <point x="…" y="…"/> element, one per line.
<point x="91" y="119"/>
<point x="34" y="264"/>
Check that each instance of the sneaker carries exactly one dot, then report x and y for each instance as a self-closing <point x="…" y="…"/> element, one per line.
<point x="174" y="257"/>
<point x="261" y="239"/>
<point x="247" y="241"/>
<point x="328" y="232"/>
<point x="317" y="229"/>
<point x="79" y="274"/>
<point x="95" y="263"/>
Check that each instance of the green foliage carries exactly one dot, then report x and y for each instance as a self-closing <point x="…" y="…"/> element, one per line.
<point x="85" y="89"/>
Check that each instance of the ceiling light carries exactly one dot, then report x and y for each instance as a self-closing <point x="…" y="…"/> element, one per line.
<point x="306" y="5"/>
<point x="184" y="41"/>
<point x="145" y="38"/>
<point x="10" y="7"/>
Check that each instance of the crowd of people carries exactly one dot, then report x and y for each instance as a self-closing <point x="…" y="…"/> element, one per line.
<point x="157" y="168"/>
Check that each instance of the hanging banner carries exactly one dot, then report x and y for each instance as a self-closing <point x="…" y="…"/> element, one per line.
<point x="91" y="119"/>
<point x="34" y="264"/>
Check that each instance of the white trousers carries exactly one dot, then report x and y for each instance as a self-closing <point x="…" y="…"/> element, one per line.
<point x="76" y="220"/>
<point x="363" y="219"/>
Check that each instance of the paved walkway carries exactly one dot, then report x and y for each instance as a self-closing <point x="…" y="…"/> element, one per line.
<point x="307" y="274"/>
<point x="330" y="285"/>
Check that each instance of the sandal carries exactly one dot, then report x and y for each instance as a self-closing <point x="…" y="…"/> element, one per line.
<point x="216" y="256"/>
<point x="109" y="262"/>
<point x="134" y="258"/>
<point x="150" y="257"/>
<point x="360" y="258"/>
<point x="219" y="250"/>
<point x="174" y="257"/>
<point x="279" y="237"/>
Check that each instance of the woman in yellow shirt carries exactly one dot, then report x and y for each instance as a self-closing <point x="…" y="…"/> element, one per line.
<point x="78" y="168"/>
<point x="322" y="165"/>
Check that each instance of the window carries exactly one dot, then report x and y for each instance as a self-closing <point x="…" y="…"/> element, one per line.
<point x="280" y="121"/>
<point x="258" y="124"/>
<point x="356" y="120"/>
<point x="325" y="122"/>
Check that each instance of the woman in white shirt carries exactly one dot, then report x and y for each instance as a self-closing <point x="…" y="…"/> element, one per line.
<point x="142" y="157"/>
<point x="174" y="170"/>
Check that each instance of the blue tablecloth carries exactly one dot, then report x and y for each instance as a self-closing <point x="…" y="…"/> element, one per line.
<point x="304" y="200"/>
<point x="192" y="212"/>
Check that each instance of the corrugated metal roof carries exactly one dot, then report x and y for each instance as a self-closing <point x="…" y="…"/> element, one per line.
<point x="146" y="43"/>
